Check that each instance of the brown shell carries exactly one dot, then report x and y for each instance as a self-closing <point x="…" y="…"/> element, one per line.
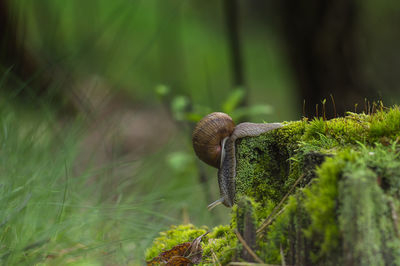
<point x="208" y="134"/>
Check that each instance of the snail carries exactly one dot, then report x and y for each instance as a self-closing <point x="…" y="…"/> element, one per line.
<point x="214" y="143"/>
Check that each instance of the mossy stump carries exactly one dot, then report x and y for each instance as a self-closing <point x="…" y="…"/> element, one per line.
<point x="317" y="192"/>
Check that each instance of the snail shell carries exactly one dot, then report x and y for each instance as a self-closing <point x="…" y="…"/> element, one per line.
<point x="214" y="143"/>
<point x="208" y="135"/>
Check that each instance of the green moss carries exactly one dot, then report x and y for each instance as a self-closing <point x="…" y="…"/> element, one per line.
<point x="264" y="162"/>
<point x="344" y="216"/>
<point x="176" y="235"/>
<point x="219" y="244"/>
<point x="270" y="244"/>
<point x="342" y="212"/>
<point x="321" y="201"/>
<point x="345" y="211"/>
<point x="366" y="201"/>
<point x="385" y="124"/>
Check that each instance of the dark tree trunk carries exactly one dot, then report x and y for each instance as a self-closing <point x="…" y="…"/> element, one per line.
<point x="28" y="79"/>
<point x="231" y="8"/>
<point x="321" y="38"/>
<point x="14" y="56"/>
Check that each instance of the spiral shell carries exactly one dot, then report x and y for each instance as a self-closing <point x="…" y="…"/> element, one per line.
<point x="208" y="135"/>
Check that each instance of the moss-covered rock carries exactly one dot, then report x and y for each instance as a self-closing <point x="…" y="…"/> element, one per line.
<point x="343" y="177"/>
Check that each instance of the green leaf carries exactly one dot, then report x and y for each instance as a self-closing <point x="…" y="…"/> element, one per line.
<point x="178" y="106"/>
<point x="162" y="90"/>
<point x="233" y="100"/>
<point x="178" y="161"/>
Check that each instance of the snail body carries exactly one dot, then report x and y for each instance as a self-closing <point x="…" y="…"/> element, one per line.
<point x="214" y="140"/>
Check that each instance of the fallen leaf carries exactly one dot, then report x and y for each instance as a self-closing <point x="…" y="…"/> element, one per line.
<point x="176" y="251"/>
<point x="179" y="261"/>
<point x="183" y="254"/>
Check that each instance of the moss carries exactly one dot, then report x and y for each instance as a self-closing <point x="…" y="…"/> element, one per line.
<point x="270" y="244"/>
<point x="264" y="162"/>
<point x="321" y="201"/>
<point x="176" y="235"/>
<point x="220" y="243"/>
<point x="385" y="124"/>
<point x="365" y="218"/>
<point x="344" y="211"/>
<point x="343" y="217"/>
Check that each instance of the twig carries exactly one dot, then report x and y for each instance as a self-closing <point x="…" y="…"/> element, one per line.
<point x="267" y="220"/>
<point x="251" y="252"/>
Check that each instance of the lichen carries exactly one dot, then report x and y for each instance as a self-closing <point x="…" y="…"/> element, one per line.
<point x="344" y="209"/>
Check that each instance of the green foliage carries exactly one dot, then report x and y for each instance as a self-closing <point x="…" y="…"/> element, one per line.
<point x="183" y="110"/>
<point x="233" y="100"/>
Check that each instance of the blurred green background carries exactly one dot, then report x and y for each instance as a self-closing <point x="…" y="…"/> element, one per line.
<point x="98" y="100"/>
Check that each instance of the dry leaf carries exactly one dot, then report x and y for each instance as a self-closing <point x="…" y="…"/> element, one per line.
<point x="164" y="257"/>
<point x="183" y="254"/>
<point x="179" y="261"/>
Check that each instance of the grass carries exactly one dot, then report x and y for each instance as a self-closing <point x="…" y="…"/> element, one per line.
<point x="56" y="210"/>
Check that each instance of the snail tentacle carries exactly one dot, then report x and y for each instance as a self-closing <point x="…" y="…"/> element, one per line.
<point x="215" y="203"/>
